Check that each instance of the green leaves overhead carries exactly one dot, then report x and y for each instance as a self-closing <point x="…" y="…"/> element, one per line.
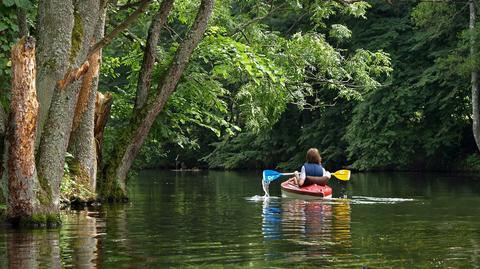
<point x="25" y="4"/>
<point x="257" y="59"/>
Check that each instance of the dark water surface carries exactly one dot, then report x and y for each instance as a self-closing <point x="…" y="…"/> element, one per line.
<point x="220" y="219"/>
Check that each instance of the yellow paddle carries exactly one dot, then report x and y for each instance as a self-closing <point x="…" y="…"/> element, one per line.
<point x="342" y="174"/>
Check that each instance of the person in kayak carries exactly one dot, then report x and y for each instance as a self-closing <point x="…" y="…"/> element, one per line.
<point x="312" y="171"/>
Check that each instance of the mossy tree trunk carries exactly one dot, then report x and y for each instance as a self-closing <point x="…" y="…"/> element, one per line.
<point x="114" y="185"/>
<point x="57" y="128"/>
<point x="82" y="142"/>
<point x="55" y="24"/>
<point x="67" y="32"/>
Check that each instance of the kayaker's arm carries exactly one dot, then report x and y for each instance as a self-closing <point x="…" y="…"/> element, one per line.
<point x="301" y="177"/>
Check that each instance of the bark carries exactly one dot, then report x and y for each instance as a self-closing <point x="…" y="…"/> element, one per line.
<point x="3" y="183"/>
<point x="22" y="22"/>
<point x="474" y="78"/>
<point x="54" y="141"/>
<point x="82" y="142"/>
<point x="55" y="24"/>
<point x="150" y="52"/>
<point x="103" y="105"/>
<point x="20" y="167"/>
<point x="114" y="186"/>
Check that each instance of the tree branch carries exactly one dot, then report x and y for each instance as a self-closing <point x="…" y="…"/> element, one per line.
<point x="150" y="53"/>
<point x="122" y="26"/>
<point x="272" y="10"/>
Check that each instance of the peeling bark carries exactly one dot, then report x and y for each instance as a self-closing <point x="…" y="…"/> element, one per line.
<point x="103" y="104"/>
<point x="114" y="186"/>
<point x="20" y="168"/>
<point x="82" y="141"/>
<point x="150" y="52"/>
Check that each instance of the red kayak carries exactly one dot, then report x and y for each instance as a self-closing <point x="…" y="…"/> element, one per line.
<point x="313" y="191"/>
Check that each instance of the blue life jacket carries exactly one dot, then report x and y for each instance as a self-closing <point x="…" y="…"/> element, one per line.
<point x="313" y="169"/>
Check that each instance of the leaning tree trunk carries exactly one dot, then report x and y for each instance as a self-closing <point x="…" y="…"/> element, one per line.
<point x="114" y="185"/>
<point x="82" y="141"/>
<point x="474" y="78"/>
<point x="20" y="171"/>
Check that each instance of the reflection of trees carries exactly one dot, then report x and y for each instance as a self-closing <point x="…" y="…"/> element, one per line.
<point x="79" y="239"/>
<point x="33" y="249"/>
<point x="74" y="244"/>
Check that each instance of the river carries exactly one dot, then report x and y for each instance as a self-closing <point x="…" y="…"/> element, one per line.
<point x="220" y="219"/>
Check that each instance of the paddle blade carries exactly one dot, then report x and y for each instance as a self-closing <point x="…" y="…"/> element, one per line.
<point x="342" y="174"/>
<point x="270" y="175"/>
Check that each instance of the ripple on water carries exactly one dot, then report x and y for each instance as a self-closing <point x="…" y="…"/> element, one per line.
<point x="378" y="200"/>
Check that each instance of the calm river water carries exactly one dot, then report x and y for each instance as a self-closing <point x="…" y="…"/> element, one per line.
<point x="220" y="219"/>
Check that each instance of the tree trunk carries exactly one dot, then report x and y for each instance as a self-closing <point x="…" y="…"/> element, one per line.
<point x="54" y="140"/>
<point x="474" y="79"/>
<point x="150" y="53"/>
<point x="22" y="22"/>
<point x="20" y="170"/>
<point x="103" y="105"/>
<point x="82" y="142"/>
<point x="55" y="24"/>
<point x="3" y="183"/>
<point x="114" y="186"/>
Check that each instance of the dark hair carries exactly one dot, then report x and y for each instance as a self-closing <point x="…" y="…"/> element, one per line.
<point x="313" y="156"/>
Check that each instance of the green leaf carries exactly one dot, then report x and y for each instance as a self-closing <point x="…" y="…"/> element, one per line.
<point x="25" y="4"/>
<point x="8" y="3"/>
<point x="3" y="26"/>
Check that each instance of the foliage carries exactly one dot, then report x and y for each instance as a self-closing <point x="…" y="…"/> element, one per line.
<point x="420" y="118"/>
<point x="72" y="189"/>
<point x="8" y="36"/>
<point x="314" y="74"/>
<point x="271" y="79"/>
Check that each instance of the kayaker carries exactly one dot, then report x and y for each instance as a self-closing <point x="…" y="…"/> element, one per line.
<point x="312" y="171"/>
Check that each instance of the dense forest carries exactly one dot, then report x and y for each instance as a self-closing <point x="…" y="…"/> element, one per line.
<point x="386" y="86"/>
<point x="375" y="85"/>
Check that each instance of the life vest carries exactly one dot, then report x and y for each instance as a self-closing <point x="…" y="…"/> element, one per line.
<point x="313" y="169"/>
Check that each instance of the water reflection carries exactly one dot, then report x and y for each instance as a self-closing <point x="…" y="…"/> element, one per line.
<point x="320" y="229"/>
<point x="75" y="244"/>
<point x="33" y="249"/>
<point x="204" y="221"/>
